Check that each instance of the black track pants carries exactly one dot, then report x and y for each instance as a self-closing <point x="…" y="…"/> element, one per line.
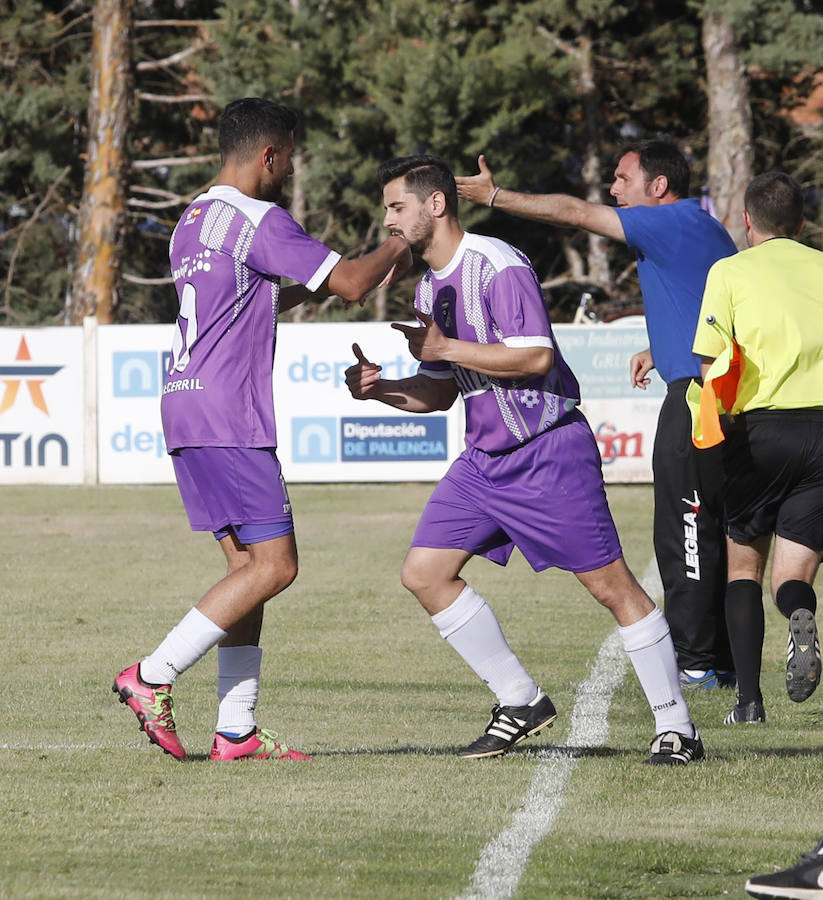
<point x="689" y="540"/>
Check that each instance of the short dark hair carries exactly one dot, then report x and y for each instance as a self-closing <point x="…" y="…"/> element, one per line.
<point x="661" y="157"/>
<point x="774" y="202"/>
<point x="423" y="175"/>
<point x="247" y="123"/>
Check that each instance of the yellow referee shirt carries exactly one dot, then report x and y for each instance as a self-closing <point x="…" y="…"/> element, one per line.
<point x="769" y="298"/>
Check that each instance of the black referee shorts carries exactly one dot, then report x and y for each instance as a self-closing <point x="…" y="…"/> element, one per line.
<point x="773" y="462"/>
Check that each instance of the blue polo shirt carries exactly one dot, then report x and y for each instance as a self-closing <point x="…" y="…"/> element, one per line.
<point x="676" y="245"/>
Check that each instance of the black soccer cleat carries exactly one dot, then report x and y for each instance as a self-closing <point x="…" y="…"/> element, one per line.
<point x="746" y="713"/>
<point x="509" y="725"/>
<point x="673" y="749"/>
<point x="802" y="656"/>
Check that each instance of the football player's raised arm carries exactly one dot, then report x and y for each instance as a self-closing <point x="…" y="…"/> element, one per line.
<point x="352" y="279"/>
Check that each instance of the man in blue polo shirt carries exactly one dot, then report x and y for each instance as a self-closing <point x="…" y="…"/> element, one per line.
<point x="676" y="244"/>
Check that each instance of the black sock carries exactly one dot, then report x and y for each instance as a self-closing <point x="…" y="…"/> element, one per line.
<point x="746" y="623"/>
<point x="792" y="595"/>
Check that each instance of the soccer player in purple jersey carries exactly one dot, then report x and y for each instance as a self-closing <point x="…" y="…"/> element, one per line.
<point x="228" y="254"/>
<point x="530" y="475"/>
<point x="676" y="243"/>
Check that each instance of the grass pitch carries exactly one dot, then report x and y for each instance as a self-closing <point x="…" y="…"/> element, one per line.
<point x="353" y="672"/>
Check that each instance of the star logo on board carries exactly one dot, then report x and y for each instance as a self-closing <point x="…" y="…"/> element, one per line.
<point x="23" y="371"/>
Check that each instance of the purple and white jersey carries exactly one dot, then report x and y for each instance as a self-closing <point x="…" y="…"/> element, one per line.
<point x="228" y="253"/>
<point x="489" y="293"/>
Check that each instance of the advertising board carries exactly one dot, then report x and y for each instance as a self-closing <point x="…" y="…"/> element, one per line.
<point x="41" y="405"/>
<point x="56" y="401"/>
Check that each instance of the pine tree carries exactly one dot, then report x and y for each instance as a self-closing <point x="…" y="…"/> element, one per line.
<point x="44" y="68"/>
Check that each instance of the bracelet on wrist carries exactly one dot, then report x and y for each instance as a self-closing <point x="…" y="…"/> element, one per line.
<point x="493" y="195"/>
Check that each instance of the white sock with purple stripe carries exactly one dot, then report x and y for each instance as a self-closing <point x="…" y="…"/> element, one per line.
<point x="472" y="629"/>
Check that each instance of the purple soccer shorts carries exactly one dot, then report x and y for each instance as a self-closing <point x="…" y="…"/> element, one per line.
<point x="237" y="488"/>
<point x="546" y="498"/>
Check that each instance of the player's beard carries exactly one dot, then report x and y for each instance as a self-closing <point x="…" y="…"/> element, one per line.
<point x="274" y="193"/>
<point x="420" y="234"/>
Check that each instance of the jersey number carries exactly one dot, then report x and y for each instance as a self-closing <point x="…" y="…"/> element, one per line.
<point x="186" y="332"/>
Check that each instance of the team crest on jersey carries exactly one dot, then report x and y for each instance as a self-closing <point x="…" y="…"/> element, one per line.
<point x="446" y="312"/>
<point x="446" y="298"/>
<point x="193" y="214"/>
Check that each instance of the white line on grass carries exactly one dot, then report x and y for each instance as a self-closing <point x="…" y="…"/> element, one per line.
<point x="504" y="858"/>
<point x="32" y="747"/>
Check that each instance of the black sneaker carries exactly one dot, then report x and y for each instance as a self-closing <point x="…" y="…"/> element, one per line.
<point x="805" y="880"/>
<point x="511" y="724"/>
<point x="748" y="713"/>
<point x="802" y="656"/>
<point x="673" y="749"/>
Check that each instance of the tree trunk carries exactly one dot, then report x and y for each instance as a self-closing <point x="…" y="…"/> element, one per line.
<point x="730" y="124"/>
<point x="102" y="215"/>
<point x="298" y="196"/>
<point x="580" y="50"/>
<point x="298" y="211"/>
<point x="598" y="257"/>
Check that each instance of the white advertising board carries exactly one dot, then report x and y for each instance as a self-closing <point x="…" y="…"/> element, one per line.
<point x="324" y="435"/>
<point x="623" y="418"/>
<point x="41" y="405"/>
<point x="131" y="362"/>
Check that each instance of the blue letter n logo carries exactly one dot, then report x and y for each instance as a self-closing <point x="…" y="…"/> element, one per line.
<point x="136" y="374"/>
<point x="314" y="440"/>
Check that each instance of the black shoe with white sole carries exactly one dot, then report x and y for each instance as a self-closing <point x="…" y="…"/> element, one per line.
<point x="805" y="880"/>
<point x="673" y="749"/>
<point x="509" y="725"/>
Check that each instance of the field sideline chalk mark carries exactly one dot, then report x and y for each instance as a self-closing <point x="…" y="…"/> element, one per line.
<point x="31" y="748"/>
<point x="504" y="858"/>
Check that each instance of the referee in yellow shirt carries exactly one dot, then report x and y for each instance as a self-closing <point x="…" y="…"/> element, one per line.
<point x="769" y="300"/>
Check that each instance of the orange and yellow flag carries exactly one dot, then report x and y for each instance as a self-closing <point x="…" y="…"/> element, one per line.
<point x="718" y="393"/>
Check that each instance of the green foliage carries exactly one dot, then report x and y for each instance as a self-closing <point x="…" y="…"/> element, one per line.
<point x="373" y="79"/>
<point x="44" y="70"/>
<point x="781" y="43"/>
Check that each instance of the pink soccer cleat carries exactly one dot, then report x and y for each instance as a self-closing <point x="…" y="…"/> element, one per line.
<point x="153" y="706"/>
<point x="259" y="744"/>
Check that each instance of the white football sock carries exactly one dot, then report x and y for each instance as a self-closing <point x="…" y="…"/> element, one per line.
<point x="238" y="686"/>
<point x="472" y="629"/>
<point x="651" y="651"/>
<point x="189" y="640"/>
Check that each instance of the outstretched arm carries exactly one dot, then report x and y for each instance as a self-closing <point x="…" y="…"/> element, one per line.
<point x="556" y="209"/>
<point x="352" y="279"/>
<point x="418" y="394"/>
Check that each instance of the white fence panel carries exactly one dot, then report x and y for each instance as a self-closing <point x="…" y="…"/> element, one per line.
<point x="84" y="404"/>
